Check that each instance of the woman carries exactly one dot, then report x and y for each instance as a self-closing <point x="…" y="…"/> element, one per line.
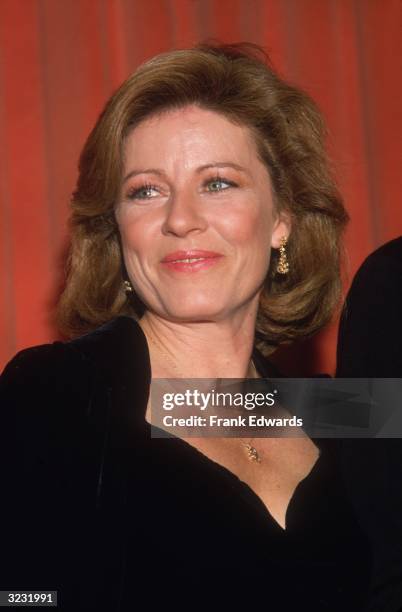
<point x="205" y="232"/>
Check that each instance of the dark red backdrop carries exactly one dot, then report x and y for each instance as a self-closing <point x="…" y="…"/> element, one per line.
<point x="59" y="62"/>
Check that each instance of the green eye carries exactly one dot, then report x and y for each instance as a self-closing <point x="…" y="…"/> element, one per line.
<point x="219" y="184"/>
<point x="143" y="193"/>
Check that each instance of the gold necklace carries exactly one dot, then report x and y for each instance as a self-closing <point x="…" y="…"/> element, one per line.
<point x="252" y="453"/>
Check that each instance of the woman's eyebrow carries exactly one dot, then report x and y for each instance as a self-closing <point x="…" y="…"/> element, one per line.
<point x="222" y="165"/>
<point x="198" y="170"/>
<point x="146" y="171"/>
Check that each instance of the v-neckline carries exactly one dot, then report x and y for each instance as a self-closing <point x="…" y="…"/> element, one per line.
<point x="249" y="495"/>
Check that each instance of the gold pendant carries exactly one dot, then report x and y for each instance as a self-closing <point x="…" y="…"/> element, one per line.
<point x="252" y="453"/>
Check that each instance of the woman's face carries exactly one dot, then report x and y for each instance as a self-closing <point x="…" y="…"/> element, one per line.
<point x="196" y="216"/>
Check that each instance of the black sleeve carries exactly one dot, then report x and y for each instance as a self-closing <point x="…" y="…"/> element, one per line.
<point x="370" y="333"/>
<point x="370" y="346"/>
<point x="45" y="500"/>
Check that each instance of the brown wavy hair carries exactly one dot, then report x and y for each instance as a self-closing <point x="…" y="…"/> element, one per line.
<point x="238" y="82"/>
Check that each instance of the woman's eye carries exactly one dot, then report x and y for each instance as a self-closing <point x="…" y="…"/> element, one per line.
<point x="147" y="192"/>
<point x="143" y="193"/>
<point x="219" y="184"/>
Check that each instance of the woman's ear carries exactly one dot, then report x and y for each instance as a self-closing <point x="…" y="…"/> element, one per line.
<point x="281" y="229"/>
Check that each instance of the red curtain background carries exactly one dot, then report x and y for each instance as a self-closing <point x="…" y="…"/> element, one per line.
<point x="60" y="61"/>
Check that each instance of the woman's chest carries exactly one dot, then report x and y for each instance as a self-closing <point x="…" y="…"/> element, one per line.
<point x="271" y="468"/>
<point x="193" y="515"/>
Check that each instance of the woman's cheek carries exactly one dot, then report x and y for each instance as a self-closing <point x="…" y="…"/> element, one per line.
<point x="242" y="227"/>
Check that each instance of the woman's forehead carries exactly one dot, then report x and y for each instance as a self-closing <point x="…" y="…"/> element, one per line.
<point x="192" y="134"/>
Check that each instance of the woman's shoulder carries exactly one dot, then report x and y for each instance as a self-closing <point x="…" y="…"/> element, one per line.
<point x="40" y="373"/>
<point x="104" y="350"/>
<point x="37" y="363"/>
<point x="60" y="387"/>
<point x="43" y="394"/>
<point x="56" y="399"/>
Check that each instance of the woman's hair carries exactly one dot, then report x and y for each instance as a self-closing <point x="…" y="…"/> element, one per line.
<point x="238" y="82"/>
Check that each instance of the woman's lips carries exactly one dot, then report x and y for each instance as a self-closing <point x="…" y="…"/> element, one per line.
<point x="193" y="266"/>
<point x="190" y="261"/>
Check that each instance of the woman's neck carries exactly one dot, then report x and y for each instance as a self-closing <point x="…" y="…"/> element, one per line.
<point x="200" y="350"/>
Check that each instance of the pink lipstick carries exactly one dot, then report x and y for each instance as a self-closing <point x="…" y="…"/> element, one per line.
<point x="190" y="261"/>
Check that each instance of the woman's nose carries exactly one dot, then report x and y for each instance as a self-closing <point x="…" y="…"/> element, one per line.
<point x="184" y="214"/>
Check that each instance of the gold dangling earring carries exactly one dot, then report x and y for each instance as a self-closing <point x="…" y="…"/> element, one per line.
<point x="127" y="287"/>
<point x="283" y="264"/>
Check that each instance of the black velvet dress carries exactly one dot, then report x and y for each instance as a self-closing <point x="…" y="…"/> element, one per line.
<point x="98" y="510"/>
